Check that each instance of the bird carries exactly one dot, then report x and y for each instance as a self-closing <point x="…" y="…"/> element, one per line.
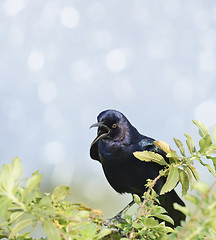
<point x="116" y="141"/>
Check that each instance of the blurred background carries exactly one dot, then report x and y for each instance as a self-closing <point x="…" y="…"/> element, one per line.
<point x="63" y="62"/>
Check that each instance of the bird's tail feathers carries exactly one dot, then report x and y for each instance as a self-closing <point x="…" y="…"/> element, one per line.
<point x="167" y="200"/>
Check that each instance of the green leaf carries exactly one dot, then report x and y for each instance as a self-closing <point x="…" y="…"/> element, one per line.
<point x="171" y="181"/>
<point x="213" y="161"/>
<point x="205" y="143"/>
<point x="173" y="154"/>
<point x="4" y="204"/>
<point x="214" y="134"/>
<point x="179" y="144"/>
<point x="210" y="168"/>
<point x="163" y="146"/>
<point x="60" y="193"/>
<point x="181" y="209"/>
<point x="15" y="216"/>
<point x="32" y="183"/>
<point x="150" y="157"/>
<point x="104" y="233"/>
<point x="51" y="230"/>
<point x="190" y="143"/>
<point x="202" y="127"/>
<point x="136" y="199"/>
<point x="20" y="226"/>
<point x="137" y="225"/>
<point x="190" y="175"/>
<point x="201" y="187"/>
<point x="10" y="174"/>
<point x="16" y="168"/>
<point x="89" y="231"/>
<point x="194" y="171"/>
<point x="193" y="199"/>
<point x="165" y="218"/>
<point x="183" y="177"/>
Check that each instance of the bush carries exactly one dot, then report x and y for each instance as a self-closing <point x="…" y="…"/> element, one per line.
<point x="22" y="205"/>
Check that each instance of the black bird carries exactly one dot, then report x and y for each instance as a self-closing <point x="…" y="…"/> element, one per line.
<point x="114" y="146"/>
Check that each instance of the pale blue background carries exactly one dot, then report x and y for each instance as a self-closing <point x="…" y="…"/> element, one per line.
<point x="62" y="62"/>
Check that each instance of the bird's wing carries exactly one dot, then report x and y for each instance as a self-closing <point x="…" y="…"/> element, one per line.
<point x="94" y="152"/>
<point x="147" y="144"/>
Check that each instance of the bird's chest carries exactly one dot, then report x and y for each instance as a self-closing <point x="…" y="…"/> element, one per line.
<point x="114" y="155"/>
<point x="122" y="170"/>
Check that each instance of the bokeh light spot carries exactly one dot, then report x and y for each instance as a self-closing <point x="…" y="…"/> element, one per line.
<point x="16" y="36"/>
<point x="63" y="173"/>
<point x="202" y="19"/>
<point x="36" y="61"/>
<point x="47" y="91"/>
<point x="206" y="113"/>
<point x="183" y="91"/>
<point x="81" y="70"/>
<point x="124" y="89"/>
<point x="49" y="14"/>
<point x="96" y="11"/>
<point x="69" y="17"/>
<point x="54" y="152"/>
<point x="160" y="50"/>
<point x="52" y="116"/>
<point x="102" y="39"/>
<point x="116" y="60"/>
<point x="13" y="7"/>
<point x="207" y="61"/>
<point x="92" y="186"/>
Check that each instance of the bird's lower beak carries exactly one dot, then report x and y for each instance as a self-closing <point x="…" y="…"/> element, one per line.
<point x="102" y="133"/>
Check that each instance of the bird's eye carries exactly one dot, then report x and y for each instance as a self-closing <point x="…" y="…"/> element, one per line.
<point x="114" y="125"/>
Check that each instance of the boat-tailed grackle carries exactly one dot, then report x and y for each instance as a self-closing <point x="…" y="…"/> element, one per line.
<point x="114" y="146"/>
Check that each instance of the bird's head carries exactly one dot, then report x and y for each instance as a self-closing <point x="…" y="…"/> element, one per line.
<point x="112" y="125"/>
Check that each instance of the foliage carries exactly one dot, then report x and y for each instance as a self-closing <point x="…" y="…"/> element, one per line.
<point x="23" y="207"/>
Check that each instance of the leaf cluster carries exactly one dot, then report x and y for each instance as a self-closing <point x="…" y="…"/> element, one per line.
<point x="180" y="167"/>
<point x="22" y="206"/>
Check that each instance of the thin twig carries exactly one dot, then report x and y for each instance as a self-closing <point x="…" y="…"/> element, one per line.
<point x="179" y="237"/>
<point x="139" y="213"/>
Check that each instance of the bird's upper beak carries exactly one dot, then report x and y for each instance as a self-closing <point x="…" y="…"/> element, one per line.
<point x="102" y="132"/>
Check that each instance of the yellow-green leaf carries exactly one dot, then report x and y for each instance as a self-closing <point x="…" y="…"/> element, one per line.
<point x="179" y="144"/>
<point x="190" y="143"/>
<point x="163" y="146"/>
<point x="210" y="168"/>
<point x="60" y="193"/>
<point x="136" y="199"/>
<point x="181" y="209"/>
<point x="202" y="127"/>
<point x="150" y="157"/>
<point x="9" y="175"/>
<point x="171" y="181"/>
<point x="205" y="143"/>
<point x="194" y="172"/>
<point x="192" y="198"/>
<point x="201" y="187"/>
<point x="190" y="176"/>
<point x="183" y="177"/>
<point x="51" y="230"/>
<point x="4" y="204"/>
<point x="173" y="154"/>
<point x="214" y="134"/>
<point x="32" y="183"/>
<point x="165" y="217"/>
<point x="104" y="232"/>
<point x="20" y="226"/>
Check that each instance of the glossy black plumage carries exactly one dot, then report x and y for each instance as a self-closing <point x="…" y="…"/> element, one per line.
<point x="114" y="146"/>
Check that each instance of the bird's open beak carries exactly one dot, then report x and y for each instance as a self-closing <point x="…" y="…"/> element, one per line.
<point x="102" y="133"/>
